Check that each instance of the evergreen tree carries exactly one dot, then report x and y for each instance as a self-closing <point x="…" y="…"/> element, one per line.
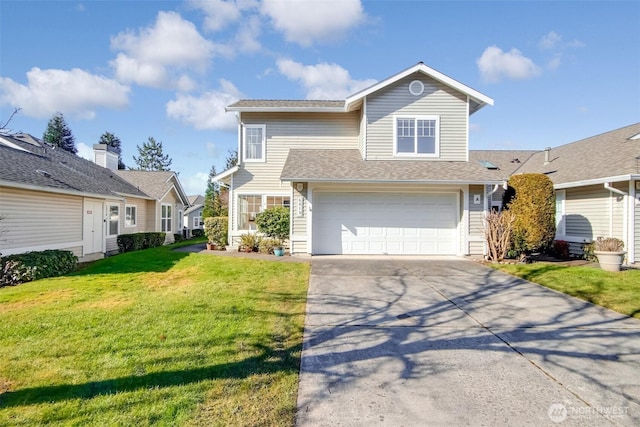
<point x="211" y="196"/>
<point x="151" y="157"/>
<point x="232" y="159"/>
<point x="110" y="139"/>
<point x="58" y="134"/>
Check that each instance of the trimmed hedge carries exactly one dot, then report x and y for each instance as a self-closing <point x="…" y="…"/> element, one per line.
<point x="274" y="222"/>
<point x="139" y="241"/>
<point x="197" y="232"/>
<point x="177" y="237"/>
<point x="216" y="228"/>
<point x="21" y="268"/>
<point x="531" y="199"/>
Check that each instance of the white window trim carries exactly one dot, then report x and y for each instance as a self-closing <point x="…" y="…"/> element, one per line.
<point x="109" y="206"/>
<point x="169" y="218"/>
<point x="135" y="216"/>
<point x="416" y="118"/>
<point x="262" y="158"/>
<point x="561" y="227"/>
<point x="263" y="205"/>
<point x="196" y="222"/>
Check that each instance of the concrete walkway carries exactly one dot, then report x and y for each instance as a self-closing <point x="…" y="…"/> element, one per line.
<point x="406" y="342"/>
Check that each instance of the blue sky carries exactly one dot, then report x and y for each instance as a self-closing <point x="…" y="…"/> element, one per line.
<point x="558" y="71"/>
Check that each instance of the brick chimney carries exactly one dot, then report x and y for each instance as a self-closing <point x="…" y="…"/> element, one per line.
<point x="104" y="155"/>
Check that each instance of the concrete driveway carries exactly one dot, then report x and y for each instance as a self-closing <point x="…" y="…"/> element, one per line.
<point x="408" y="342"/>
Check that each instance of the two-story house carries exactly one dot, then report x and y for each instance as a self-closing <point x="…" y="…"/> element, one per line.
<point x="386" y="171"/>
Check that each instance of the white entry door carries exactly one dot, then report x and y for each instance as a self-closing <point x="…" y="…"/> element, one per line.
<point x="385" y="223"/>
<point x="93" y="227"/>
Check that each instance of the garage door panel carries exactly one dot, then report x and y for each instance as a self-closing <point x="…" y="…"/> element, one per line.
<point x="376" y="223"/>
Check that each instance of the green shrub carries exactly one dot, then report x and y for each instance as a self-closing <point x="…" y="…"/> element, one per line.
<point x="531" y="199"/>
<point x="267" y="244"/>
<point x="274" y="222"/>
<point x="139" y="241"/>
<point x="178" y="237"/>
<point x="249" y="242"/>
<point x="216" y="229"/>
<point x="197" y="232"/>
<point x="587" y="251"/>
<point x="15" y="269"/>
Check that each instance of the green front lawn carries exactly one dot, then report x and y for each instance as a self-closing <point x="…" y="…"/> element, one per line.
<point x="154" y="337"/>
<point x="617" y="291"/>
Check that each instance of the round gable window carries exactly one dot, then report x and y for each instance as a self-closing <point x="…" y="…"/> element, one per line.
<point x="416" y="88"/>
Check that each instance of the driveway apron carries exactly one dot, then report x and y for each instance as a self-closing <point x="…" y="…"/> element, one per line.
<point x="412" y="342"/>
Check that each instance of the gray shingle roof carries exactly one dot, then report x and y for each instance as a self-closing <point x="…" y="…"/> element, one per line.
<point x="348" y="166"/>
<point x="154" y="183"/>
<point x="39" y="165"/>
<point x="606" y="155"/>
<point x="285" y="105"/>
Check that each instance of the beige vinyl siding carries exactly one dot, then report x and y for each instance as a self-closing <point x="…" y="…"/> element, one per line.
<point x="112" y="245"/>
<point x="362" y="134"/>
<point x="587" y="212"/>
<point x="437" y="99"/>
<point x="152" y="216"/>
<point x="285" y="131"/>
<point x="141" y="216"/>
<point x="476" y="225"/>
<point x="36" y="219"/>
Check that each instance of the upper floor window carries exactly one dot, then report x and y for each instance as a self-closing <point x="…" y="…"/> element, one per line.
<point x="254" y="143"/>
<point x="417" y="136"/>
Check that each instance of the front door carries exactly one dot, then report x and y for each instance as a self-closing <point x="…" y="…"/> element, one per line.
<point x="92" y="230"/>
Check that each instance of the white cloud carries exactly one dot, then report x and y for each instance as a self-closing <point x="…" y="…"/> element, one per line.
<point x="212" y="151"/>
<point x="322" y="81"/>
<point x="307" y="23"/>
<point x="195" y="184"/>
<point x="85" y="151"/>
<point x="74" y="92"/>
<point x="207" y="110"/>
<point x="550" y="40"/>
<point x="494" y="65"/>
<point x="554" y="62"/>
<point x="218" y="13"/>
<point x="158" y="56"/>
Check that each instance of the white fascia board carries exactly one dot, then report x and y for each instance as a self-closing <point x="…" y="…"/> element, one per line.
<point x="137" y="196"/>
<point x="225" y="174"/>
<point x="398" y="181"/>
<point x="22" y="186"/>
<point x="596" y="181"/>
<point x="479" y="97"/>
<point x="181" y="192"/>
<point x="286" y="109"/>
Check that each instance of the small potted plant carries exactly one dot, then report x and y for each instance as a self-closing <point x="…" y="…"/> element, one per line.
<point x="610" y="252"/>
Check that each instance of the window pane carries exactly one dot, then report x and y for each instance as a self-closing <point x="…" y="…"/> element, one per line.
<point x="426" y="136"/>
<point x="114" y="218"/>
<point x="248" y="208"/>
<point x="253" y="138"/>
<point x="405" y="132"/>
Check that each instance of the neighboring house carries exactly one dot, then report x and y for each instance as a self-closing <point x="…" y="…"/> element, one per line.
<point x="193" y="216"/>
<point x="386" y="171"/>
<point x="170" y="200"/>
<point x="53" y="199"/>
<point x="597" y="183"/>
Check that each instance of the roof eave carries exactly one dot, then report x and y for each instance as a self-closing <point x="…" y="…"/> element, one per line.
<point x="22" y="186"/>
<point x="596" y="181"/>
<point x="225" y="174"/>
<point x="396" y="181"/>
<point x="285" y="109"/>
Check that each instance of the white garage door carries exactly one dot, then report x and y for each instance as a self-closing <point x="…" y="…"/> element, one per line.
<point x="384" y="223"/>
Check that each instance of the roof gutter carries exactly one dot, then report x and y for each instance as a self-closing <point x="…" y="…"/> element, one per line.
<point x="21" y="186"/>
<point x="225" y="174"/>
<point x="597" y="181"/>
<point x="607" y="186"/>
<point x="396" y="181"/>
